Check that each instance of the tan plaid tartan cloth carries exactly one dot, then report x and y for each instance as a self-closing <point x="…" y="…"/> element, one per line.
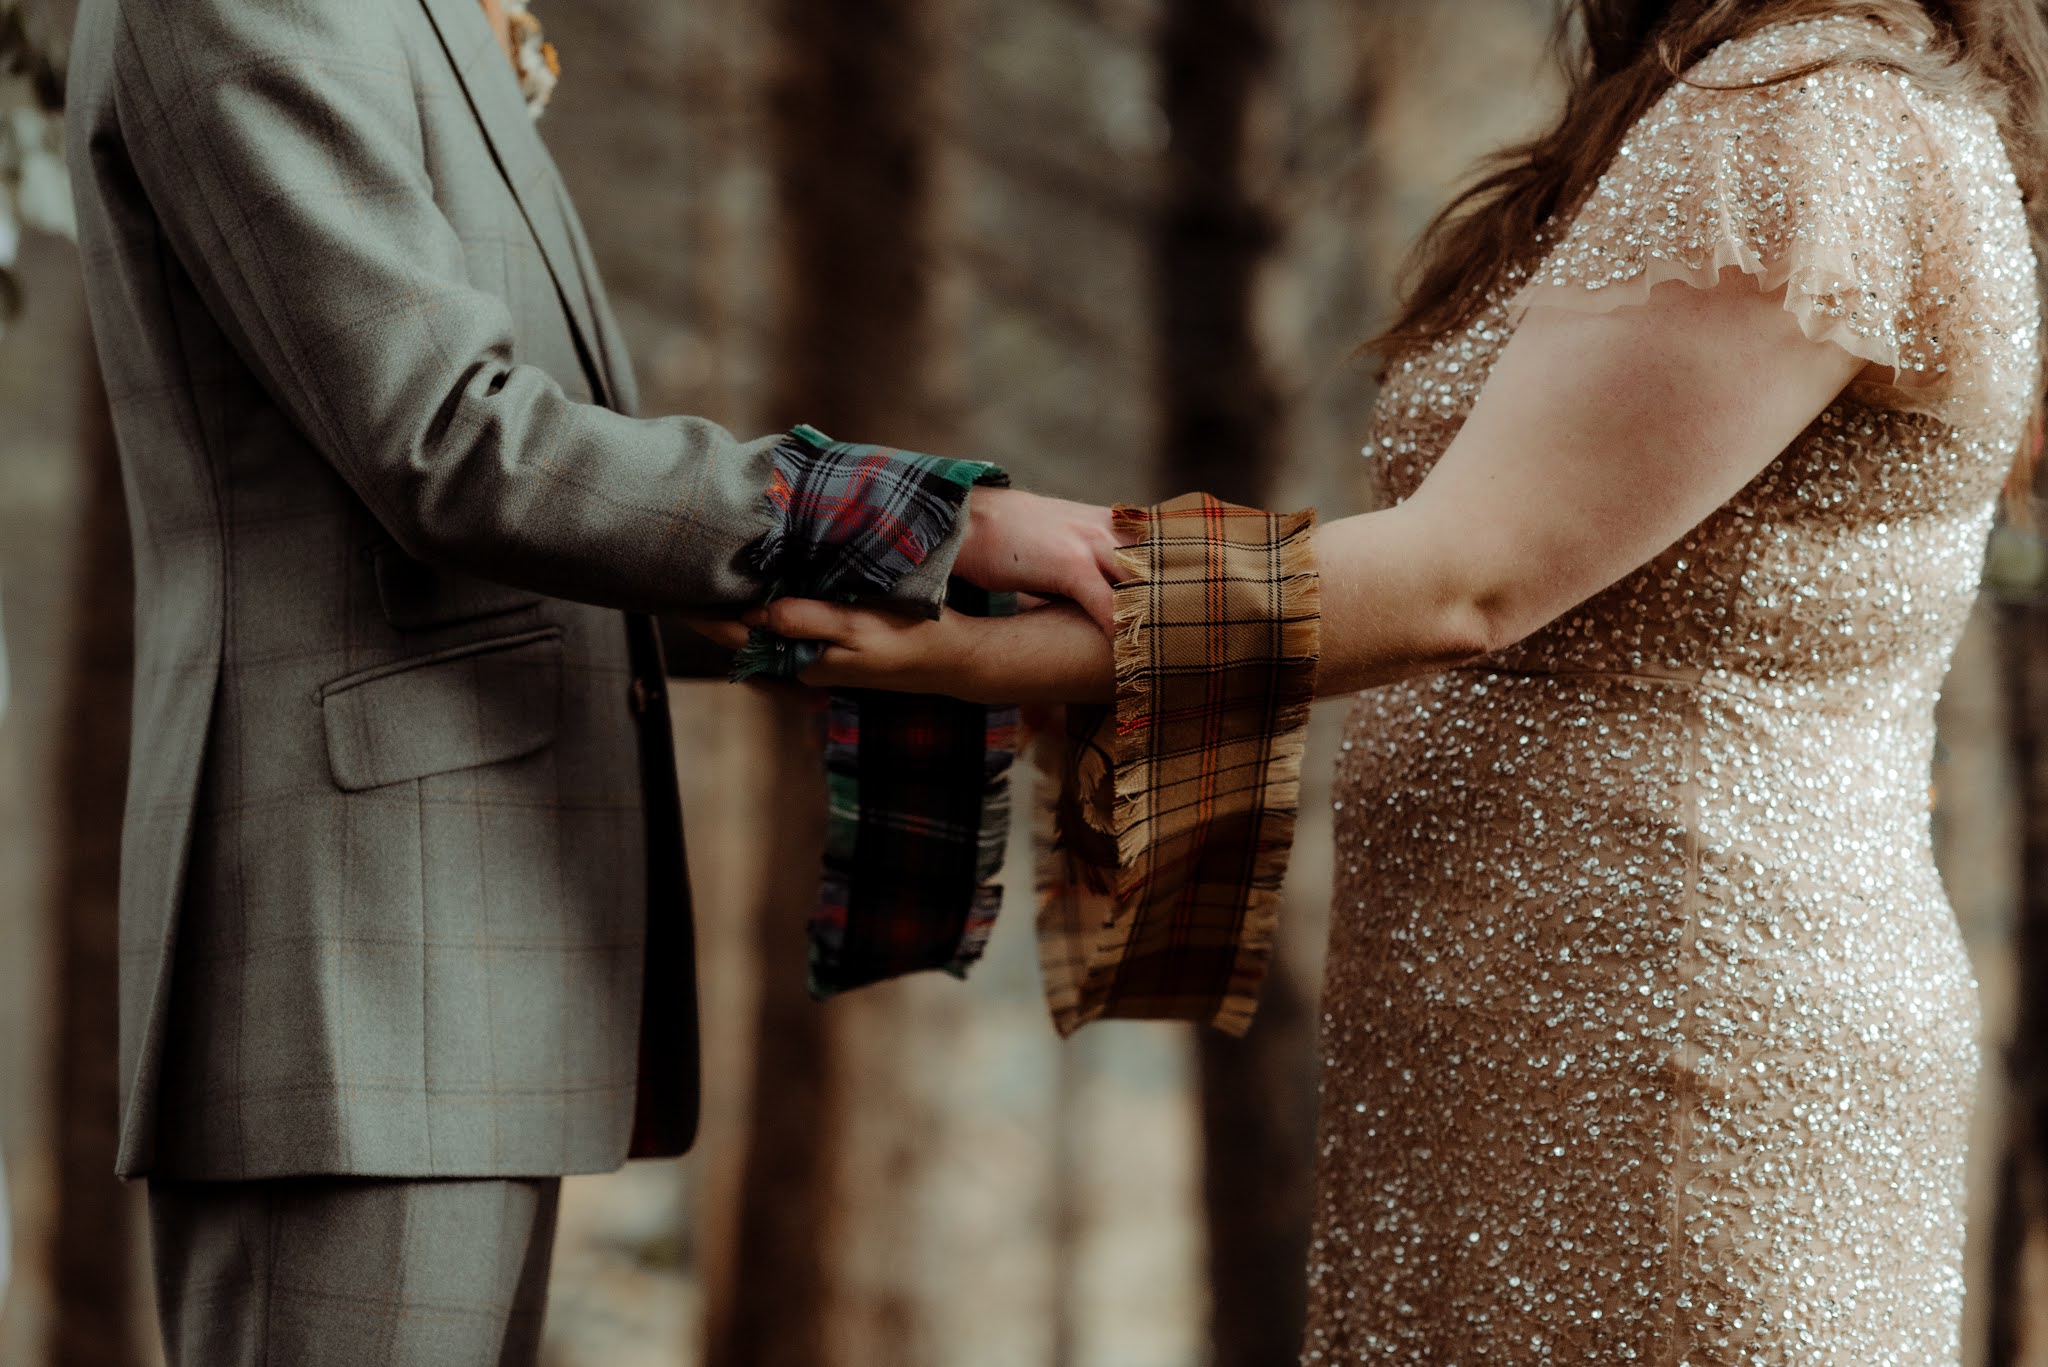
<point x="1168" y="819"/>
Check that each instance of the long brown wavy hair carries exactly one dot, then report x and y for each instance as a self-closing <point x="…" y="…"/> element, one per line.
<point x="1622" y="55"/>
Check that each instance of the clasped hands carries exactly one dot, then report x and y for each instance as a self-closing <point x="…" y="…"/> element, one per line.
<point x="1058" y="556"/>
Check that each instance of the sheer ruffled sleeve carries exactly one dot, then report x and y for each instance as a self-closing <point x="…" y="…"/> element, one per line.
<point x="1892" y="226"/>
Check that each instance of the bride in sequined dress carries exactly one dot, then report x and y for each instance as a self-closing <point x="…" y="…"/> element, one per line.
<point x="1650" y="1036"/>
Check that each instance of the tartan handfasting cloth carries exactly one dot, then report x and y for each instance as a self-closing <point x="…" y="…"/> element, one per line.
<point x="919" y="793"/>
<point x="918" y="787"/>
<point x="1170" y="817"/>
<point x="850" y="520"/>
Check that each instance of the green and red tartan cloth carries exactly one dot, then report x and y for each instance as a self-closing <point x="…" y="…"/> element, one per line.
<point x="918" y="786"/>
<point x="850" y="520"/>
<point x="1168" y="818"/>
<point x="919" y="795"/>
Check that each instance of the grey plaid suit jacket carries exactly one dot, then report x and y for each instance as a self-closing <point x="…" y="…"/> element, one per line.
<point x="402" y="794"/>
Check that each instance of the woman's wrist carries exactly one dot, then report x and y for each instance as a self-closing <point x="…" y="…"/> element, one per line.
<point x="962" y="666"/>
<point x="1053" y="654"/>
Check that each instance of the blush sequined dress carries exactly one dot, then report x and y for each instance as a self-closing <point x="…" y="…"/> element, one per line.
<point x="1649" y="1033"/>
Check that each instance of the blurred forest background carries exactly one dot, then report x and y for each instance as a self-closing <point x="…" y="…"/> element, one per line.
<point x="1125" y="248"/>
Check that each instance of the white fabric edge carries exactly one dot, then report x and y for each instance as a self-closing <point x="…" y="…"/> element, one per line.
<point x="1801" y="275"/>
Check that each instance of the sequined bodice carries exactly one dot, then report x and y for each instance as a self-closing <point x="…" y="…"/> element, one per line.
<point x="1649" y="1036"/>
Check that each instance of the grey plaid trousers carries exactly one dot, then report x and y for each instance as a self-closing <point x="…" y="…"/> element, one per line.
<point x="341" y="1272"/>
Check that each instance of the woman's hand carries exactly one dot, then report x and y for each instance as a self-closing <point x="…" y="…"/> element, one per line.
<point x="1047" y="655"/>
<point x="1049" y="547"/>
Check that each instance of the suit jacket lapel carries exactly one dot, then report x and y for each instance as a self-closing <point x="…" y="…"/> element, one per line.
<point x="494" y="97"/>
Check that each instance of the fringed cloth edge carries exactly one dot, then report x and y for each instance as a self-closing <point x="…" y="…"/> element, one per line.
<point x="917" y="787"/>
<point x="1167" y="822"/>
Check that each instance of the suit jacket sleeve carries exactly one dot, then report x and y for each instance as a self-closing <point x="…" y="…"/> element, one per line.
<point x="280" y="143"/>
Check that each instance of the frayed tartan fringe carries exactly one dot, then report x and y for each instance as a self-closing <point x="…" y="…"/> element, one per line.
<point x="1138" y="916"/>
<point x="897" y="897"/>
<point x="906" y="883"/>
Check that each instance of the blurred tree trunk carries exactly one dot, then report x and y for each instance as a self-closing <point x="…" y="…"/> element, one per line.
<point x="1222" y="433"/>
<point x="822" y="1275"/>
<point x="765" y="1292"/>
<point x="95" y="1224"/>
<point x="2022" y="1203"/>
<point x="1213" y="236"/>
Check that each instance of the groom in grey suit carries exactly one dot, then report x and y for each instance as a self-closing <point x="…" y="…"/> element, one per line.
<point x="404" y="922"/>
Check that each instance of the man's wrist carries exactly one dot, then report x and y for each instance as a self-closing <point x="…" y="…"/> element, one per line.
<point x="964" y="667"/>
<point x="922" y="589"/>
<point x="982" y="513"/>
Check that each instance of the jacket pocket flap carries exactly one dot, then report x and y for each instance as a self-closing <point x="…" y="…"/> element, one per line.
<point x="459" y="708"/>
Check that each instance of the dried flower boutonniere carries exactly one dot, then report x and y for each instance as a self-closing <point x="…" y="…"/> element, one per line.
<point x="533" y="57"/>
<point x="35" y="188"/>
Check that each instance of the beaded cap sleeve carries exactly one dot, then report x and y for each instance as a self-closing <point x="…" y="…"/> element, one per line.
<point x="1862" y="195"/>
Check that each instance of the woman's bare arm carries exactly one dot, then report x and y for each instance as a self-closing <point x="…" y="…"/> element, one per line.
<point x="1598" y="441"/>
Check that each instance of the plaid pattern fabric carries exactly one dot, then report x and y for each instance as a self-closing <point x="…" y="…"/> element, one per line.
<point x="920" y="809"/>
<point x="918" y="786"/>
<point x="850" y="520"/>
<point x="1171" y="816"/>
<point x="440" y="974"/>
<point x="344" y="1272"/>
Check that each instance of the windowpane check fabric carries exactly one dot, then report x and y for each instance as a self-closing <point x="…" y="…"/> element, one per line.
<point x="1170" y="815"/>
<point x="402" y="844"/>
<point x="345" y="1272"/>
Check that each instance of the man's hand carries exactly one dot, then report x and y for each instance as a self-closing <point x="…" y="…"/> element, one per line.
<point x="1027" y="543"/>
<point x="1047" y="655"/>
